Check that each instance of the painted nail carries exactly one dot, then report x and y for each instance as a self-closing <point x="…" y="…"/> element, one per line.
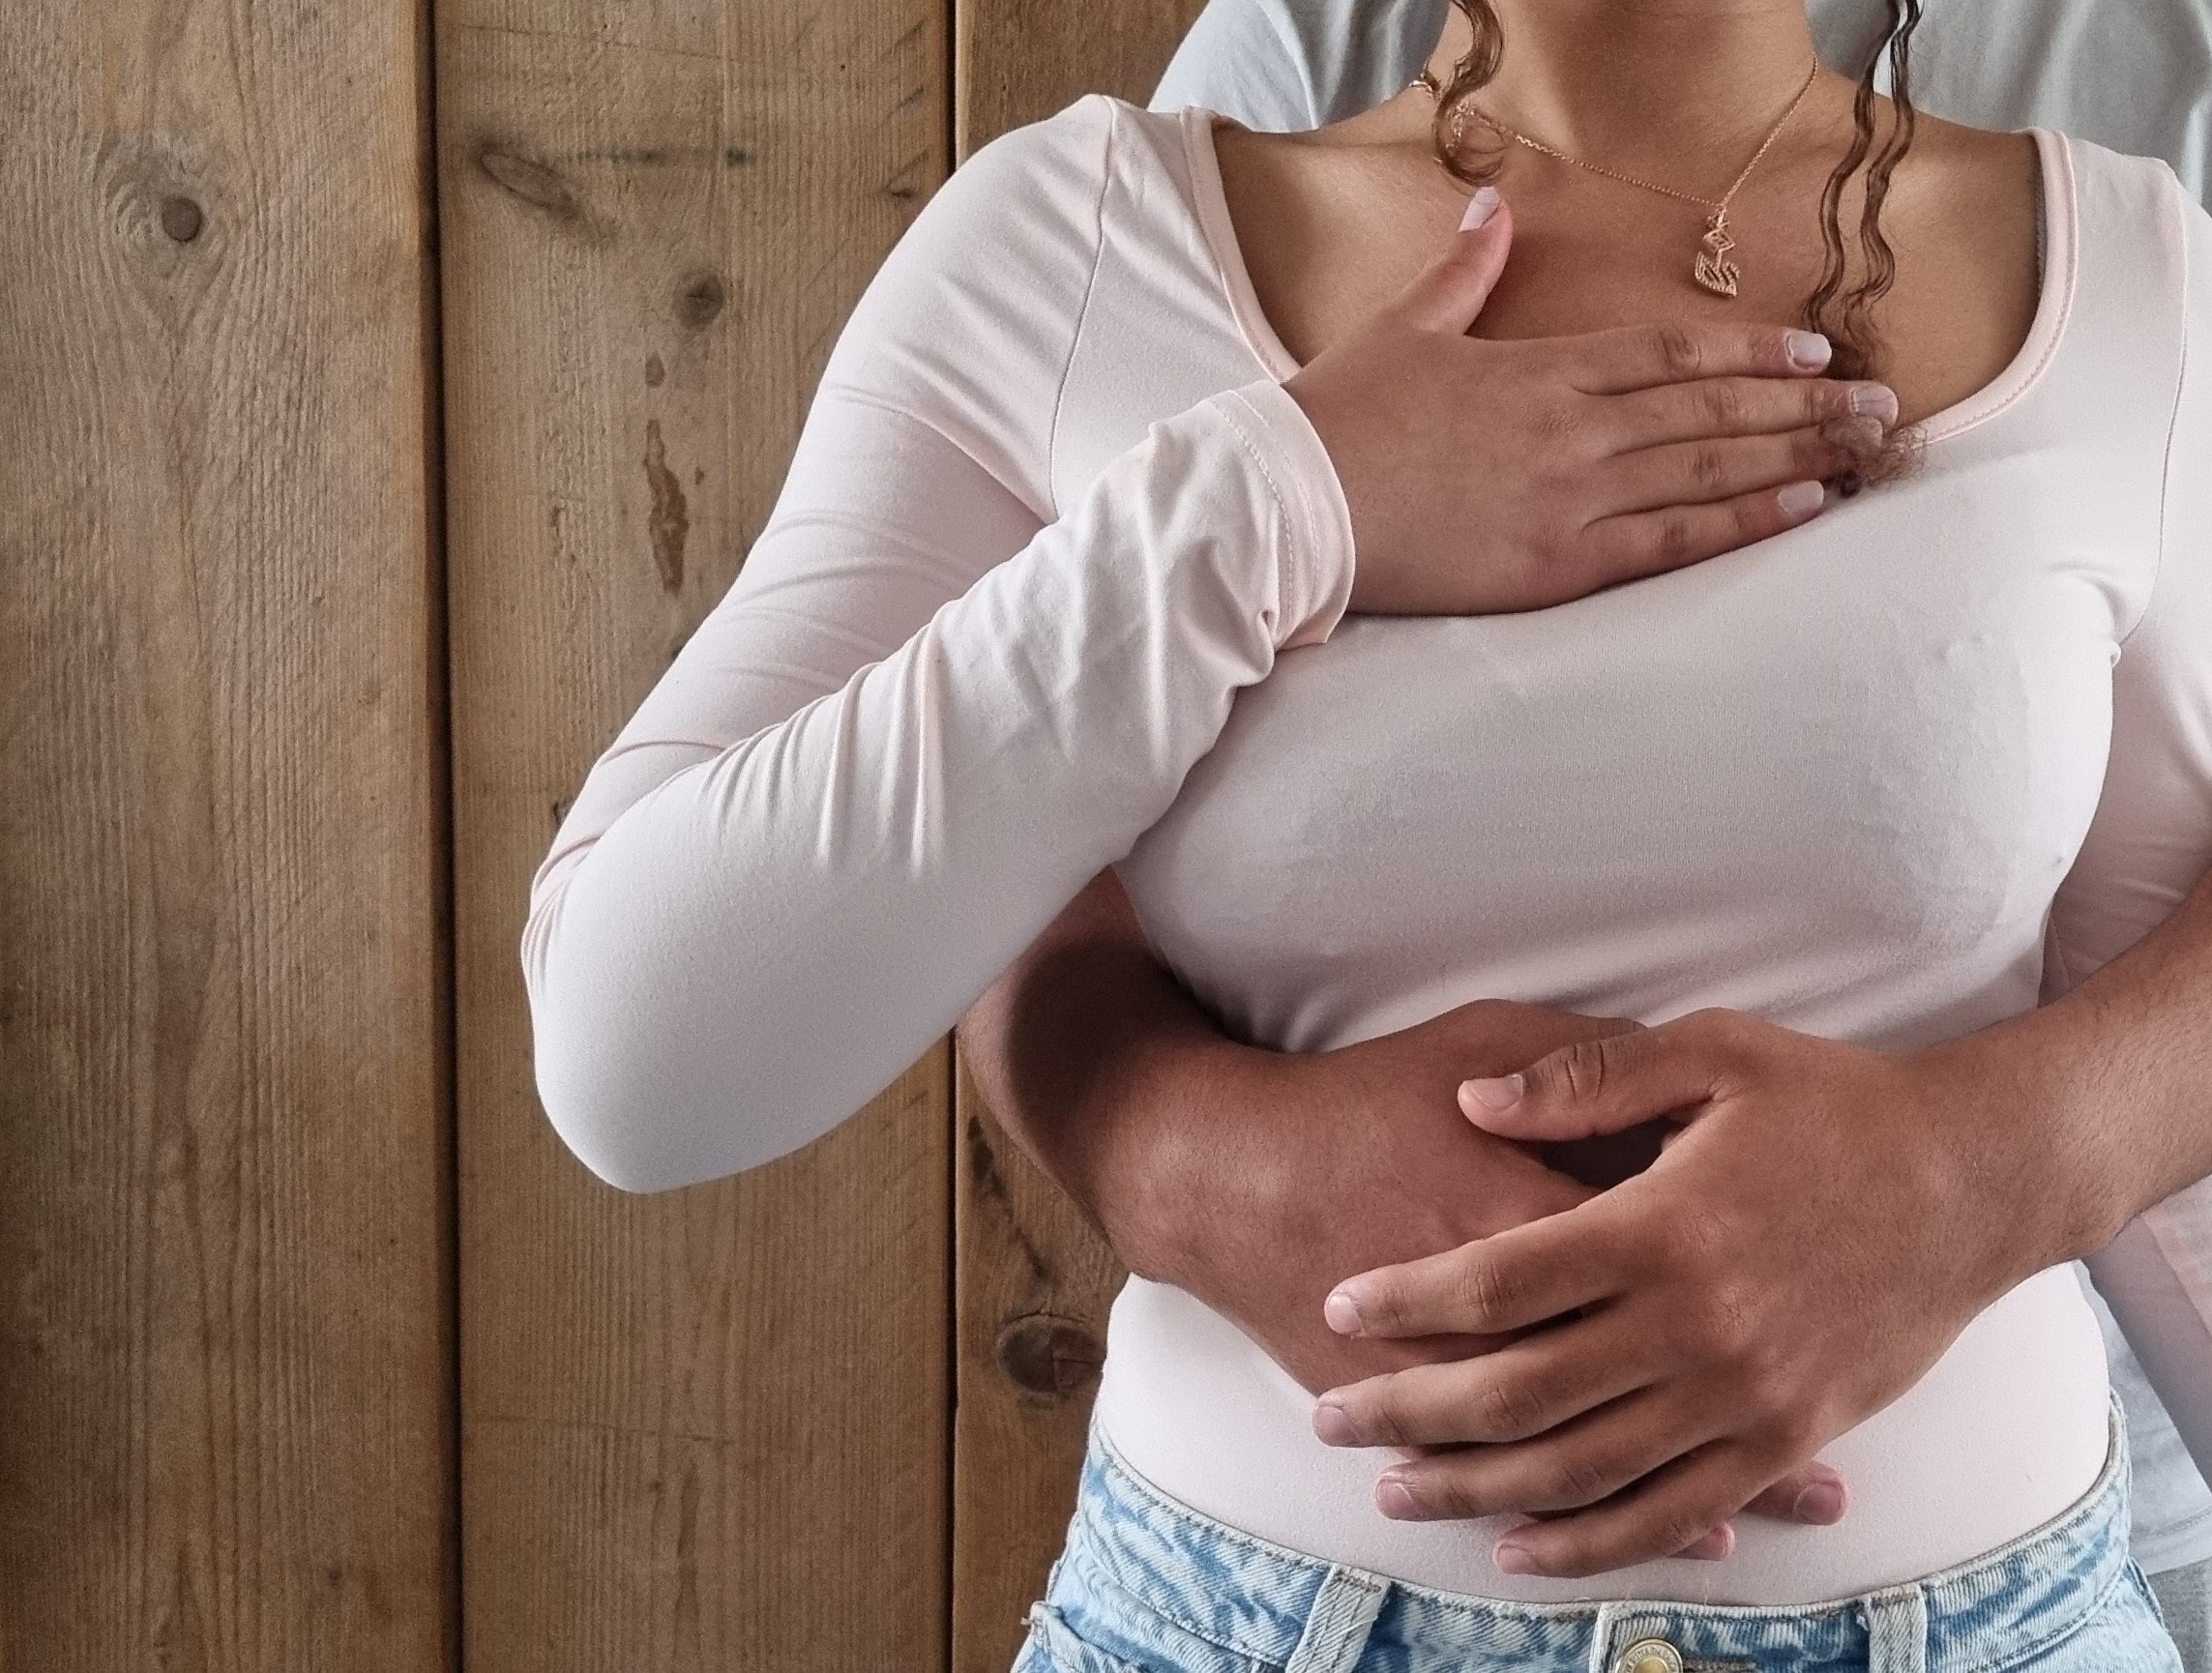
<point x="1395" y="1499"/>
<point x="1499" y="1093"/>
<point x="1800" y="500"/>
<point x="1514" y="1559"/>
<point x="1343" y="1313"/>
<point x="1876" y="402"/>
<point x="1810" y="351"/>
<point x="1821" y="1503"/>
<point x="1480" y="208"/>
<point x="1333" y="1425"/>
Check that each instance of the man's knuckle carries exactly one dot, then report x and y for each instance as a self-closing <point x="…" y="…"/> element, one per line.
<point x="1485" y="1293"/>
<point x="1384" y="1418"/>
<point x="1678" y="1529"/>
<point x="1786" y="1440"/>
<point x="1724" y="1323"/>
<point x="1712" y="1027"/>
<point x="1580" y="1478"/>
<point x="1510" y="1411"/>
<point x="1583" y="1069"/>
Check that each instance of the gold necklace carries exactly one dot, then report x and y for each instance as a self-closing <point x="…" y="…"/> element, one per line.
<point x="1712" y="269"/>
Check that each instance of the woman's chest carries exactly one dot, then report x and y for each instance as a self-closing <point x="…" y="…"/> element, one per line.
<point x="1871" y="747"/>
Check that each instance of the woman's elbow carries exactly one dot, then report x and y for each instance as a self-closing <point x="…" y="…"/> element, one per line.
<point x="603" y="1108"/>
<point x="626" y="1081"/>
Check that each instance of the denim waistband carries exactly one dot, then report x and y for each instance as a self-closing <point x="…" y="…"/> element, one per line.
<point x="1162" y="1583"/>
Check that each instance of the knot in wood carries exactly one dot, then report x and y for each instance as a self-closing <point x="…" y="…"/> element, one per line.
<point x="1048" y="1356"/>
<point x="180" y="218"/>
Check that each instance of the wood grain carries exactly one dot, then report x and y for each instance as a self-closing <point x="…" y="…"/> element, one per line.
<point x="1021" y="60"/>
<point x="1034" y="1286"/>
<point x="705" y="1430"/>
<point x="1034" y="1281"/>
<point x="223" y="1359"/>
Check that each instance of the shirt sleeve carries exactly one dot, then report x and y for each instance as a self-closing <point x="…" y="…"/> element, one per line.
<point x="2149" y="843"/>
<point x="931" y="707"/>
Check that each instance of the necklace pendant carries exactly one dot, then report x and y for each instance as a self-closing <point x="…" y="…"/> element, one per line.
<point x="1714" y="270"/>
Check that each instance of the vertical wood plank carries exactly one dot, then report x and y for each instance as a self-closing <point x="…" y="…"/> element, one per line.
<point x="706" y="1429"/>
<point x="223" y="1359"/>
<point x="1021" y="60"/>
<point x="1033" y="1281"/>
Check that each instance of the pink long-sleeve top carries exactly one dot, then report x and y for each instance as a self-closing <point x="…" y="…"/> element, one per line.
<point x="1057" y="581"/>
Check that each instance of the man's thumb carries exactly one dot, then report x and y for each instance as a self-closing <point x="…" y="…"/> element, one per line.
<point x="1451" y="289"/>
<point x="1603" y="1085"/>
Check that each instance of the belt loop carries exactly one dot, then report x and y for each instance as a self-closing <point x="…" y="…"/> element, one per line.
<point x="1609" y="1616"/>
<point x="1896" y="1632"/>
<point x="1337" y="1627"/>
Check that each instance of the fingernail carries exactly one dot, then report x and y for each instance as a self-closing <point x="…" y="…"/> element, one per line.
<point x="1800" y="500"/>
<point x="1500" y="1094"/>
<point x="1715" y="1546"/>
<point x="1810" y="351"/>
<point x="1514" y="1559"/>
<point x="1821" y="1503"/>
<point x="1343" y="1313"/>
<point x="1480" y="208"/>
<point x="1395" y="1499"/>
<point x="1333" y="1425"/>
<point x="1876" y="400"/>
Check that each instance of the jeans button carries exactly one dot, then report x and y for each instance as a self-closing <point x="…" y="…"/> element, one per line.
<point x="1649" y="1655"/>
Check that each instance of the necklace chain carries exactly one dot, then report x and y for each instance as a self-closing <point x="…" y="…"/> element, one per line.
<point x="1713" y="270"/>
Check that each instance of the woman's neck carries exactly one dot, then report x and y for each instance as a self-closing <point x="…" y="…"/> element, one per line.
<point x="1661" y="86"/>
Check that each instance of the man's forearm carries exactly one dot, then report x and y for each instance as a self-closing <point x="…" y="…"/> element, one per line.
<point x="1102" y="1069"/>
<point x="2125" y="1061"/>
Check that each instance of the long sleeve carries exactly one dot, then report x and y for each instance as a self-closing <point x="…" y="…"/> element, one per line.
<point x="931" y="707"/>
<point x="2150" y="842"/>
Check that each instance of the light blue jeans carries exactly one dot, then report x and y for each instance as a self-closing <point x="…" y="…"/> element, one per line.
<point x="1146" y="1585"/>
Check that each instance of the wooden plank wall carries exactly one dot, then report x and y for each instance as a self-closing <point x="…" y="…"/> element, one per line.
<point x="381" y="419"/>
<point x="703" y="1428"/>
<point x="225" y="1308"/>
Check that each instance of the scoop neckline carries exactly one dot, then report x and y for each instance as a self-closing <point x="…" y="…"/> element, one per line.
<point x="2054" y="300"/>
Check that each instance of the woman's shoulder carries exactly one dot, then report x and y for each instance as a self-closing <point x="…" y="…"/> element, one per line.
<point x="2141" y="242"/>
<point x="1062" y="165"/>
<point x="973" y="322"/>
<point x="1027" y="214"/>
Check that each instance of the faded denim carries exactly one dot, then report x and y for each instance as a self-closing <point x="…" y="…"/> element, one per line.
<point x="1146" y="1585"/>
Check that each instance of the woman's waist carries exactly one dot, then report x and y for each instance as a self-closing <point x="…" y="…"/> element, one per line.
<point x="2003" y="1434"/>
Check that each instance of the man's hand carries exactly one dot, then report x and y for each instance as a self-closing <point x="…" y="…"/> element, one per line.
<point x="1820" y="1227"/>
<point x="1257" y="1180"/>
<point x="1347" y="1160"/>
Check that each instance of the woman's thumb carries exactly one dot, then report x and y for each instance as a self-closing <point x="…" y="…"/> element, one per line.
<point x="1451" y="291"/>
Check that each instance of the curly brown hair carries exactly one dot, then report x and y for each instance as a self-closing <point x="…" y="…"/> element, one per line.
<point x="1846" y="316"/>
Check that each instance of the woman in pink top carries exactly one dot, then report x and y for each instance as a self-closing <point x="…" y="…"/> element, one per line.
<point x="1064" y="578"/>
